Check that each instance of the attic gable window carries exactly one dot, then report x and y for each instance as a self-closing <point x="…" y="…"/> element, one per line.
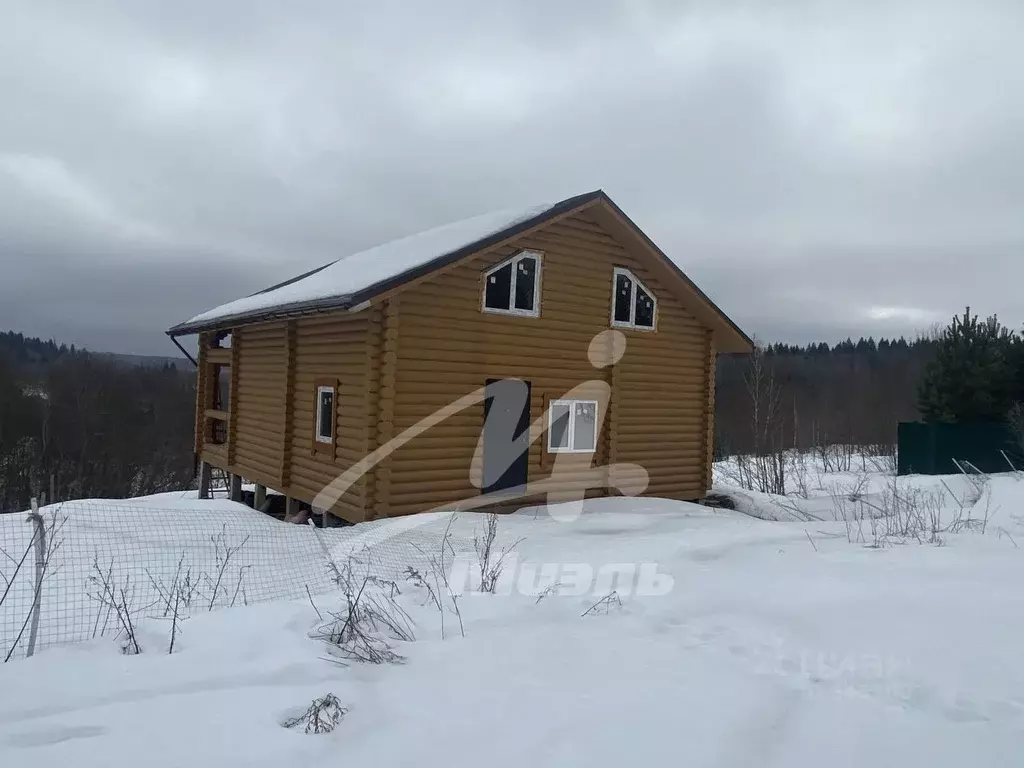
<point x="633" y="303"/>
<point x="513" y="287"/>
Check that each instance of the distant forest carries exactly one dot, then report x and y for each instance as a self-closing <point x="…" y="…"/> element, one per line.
<point x="75" y="424"/>
<point x="851" y="393"/>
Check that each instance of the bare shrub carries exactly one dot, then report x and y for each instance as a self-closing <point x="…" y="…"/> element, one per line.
<point x="798" y="473"/>
<point x="176" y="599"/>
<point x="117" y="599"/>
<point x="322" y="716"/>
<point x="223" y="551"/>
<point x="899" y="516"/>
<point x="440" y="570"/>
<point x="604" y="605"/>
<point x="491" y="564"/>
<point x="879" y="457"/>
<point x="836" y="457"/>
<point x="965" y="518"/>
<point x="370" y="616"/>
<point x="550" y="589"/>
<point x="417" y="579"/>
<point x="792" y="509"/>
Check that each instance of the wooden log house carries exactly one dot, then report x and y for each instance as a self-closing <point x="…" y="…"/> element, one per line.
<point x="300" y="382"/>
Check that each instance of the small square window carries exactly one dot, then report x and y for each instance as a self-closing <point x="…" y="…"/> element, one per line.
<point x="572" y="426"/>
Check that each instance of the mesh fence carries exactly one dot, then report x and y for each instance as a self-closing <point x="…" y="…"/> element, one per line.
<point x="83" y="562"/>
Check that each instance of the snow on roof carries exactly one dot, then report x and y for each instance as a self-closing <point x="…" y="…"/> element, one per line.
<point x="360" y="271"/>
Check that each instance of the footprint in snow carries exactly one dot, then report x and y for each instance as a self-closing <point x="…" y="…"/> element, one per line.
<point x="54" y="736"/>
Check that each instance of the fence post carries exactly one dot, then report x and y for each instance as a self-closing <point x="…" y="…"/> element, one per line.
<point x="39" y="538"/>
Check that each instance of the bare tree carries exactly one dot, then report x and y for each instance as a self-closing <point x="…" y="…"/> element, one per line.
<point x="767" y="471"/>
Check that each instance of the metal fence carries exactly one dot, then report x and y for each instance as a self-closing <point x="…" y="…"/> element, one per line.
<point x="67" y="571"/>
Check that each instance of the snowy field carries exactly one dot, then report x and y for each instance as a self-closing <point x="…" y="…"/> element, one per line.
<point x="871" y="623"/>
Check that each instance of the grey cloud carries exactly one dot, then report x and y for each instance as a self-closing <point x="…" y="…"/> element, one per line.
<point x="822" y="170"/>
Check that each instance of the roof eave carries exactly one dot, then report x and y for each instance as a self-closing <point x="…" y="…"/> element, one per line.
<point x="264" y="315"/>
<point x="383" y="286"/>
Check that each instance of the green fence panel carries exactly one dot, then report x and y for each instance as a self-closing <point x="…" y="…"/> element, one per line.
<point x="930" y="448"/>
<point x="914" y="455"/>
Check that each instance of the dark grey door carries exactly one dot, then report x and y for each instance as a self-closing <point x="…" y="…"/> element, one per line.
<point x="506" y="435"/>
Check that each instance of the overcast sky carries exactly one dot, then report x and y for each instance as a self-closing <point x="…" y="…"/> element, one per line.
<point x="819" y="169"/>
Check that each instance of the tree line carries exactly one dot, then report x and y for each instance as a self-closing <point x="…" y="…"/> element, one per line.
<point x="78" y="425"/>
<point x="74" y="424"/>
<point x="785" y="396"/>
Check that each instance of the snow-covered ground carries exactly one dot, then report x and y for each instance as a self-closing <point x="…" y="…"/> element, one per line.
<point x="739" y="641"/>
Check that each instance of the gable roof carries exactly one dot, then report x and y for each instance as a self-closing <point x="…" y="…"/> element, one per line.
<point x="350" y="281"/>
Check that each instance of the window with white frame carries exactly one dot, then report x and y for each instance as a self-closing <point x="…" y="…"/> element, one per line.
<point x="513" y="287"/>
<point x="572" y="426"/>
<point x="633" y="303"/>
<point x="325" y="414"/>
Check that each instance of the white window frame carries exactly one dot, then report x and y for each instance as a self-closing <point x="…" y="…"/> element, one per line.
<point x="632" y="302"/>
<point x="320" y="437"/>
<point x="571" y="428"/>
<point x="514" y="260"/>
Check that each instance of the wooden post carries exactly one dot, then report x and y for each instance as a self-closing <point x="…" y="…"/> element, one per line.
<point x="205" y="479"/>
<point x="374" y="343"/>
<point x="236" y="487"/>
<point x="233" y="405"/>
<point x="202" y="395"/>
<point x="709" y="413"/>
<point x="386" y="408"/>
<point x="39" y="538"/>
<point x="612" y="422"/>
<point x="260" y="497"/>
<point x="289" y="404"/>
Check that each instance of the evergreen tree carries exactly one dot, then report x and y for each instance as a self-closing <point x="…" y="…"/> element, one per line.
<point x="1017" y="370"/>
<point x="971" y="376"/>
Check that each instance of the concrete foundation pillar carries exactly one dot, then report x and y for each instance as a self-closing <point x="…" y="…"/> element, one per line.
<point x="260" y="499"/>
